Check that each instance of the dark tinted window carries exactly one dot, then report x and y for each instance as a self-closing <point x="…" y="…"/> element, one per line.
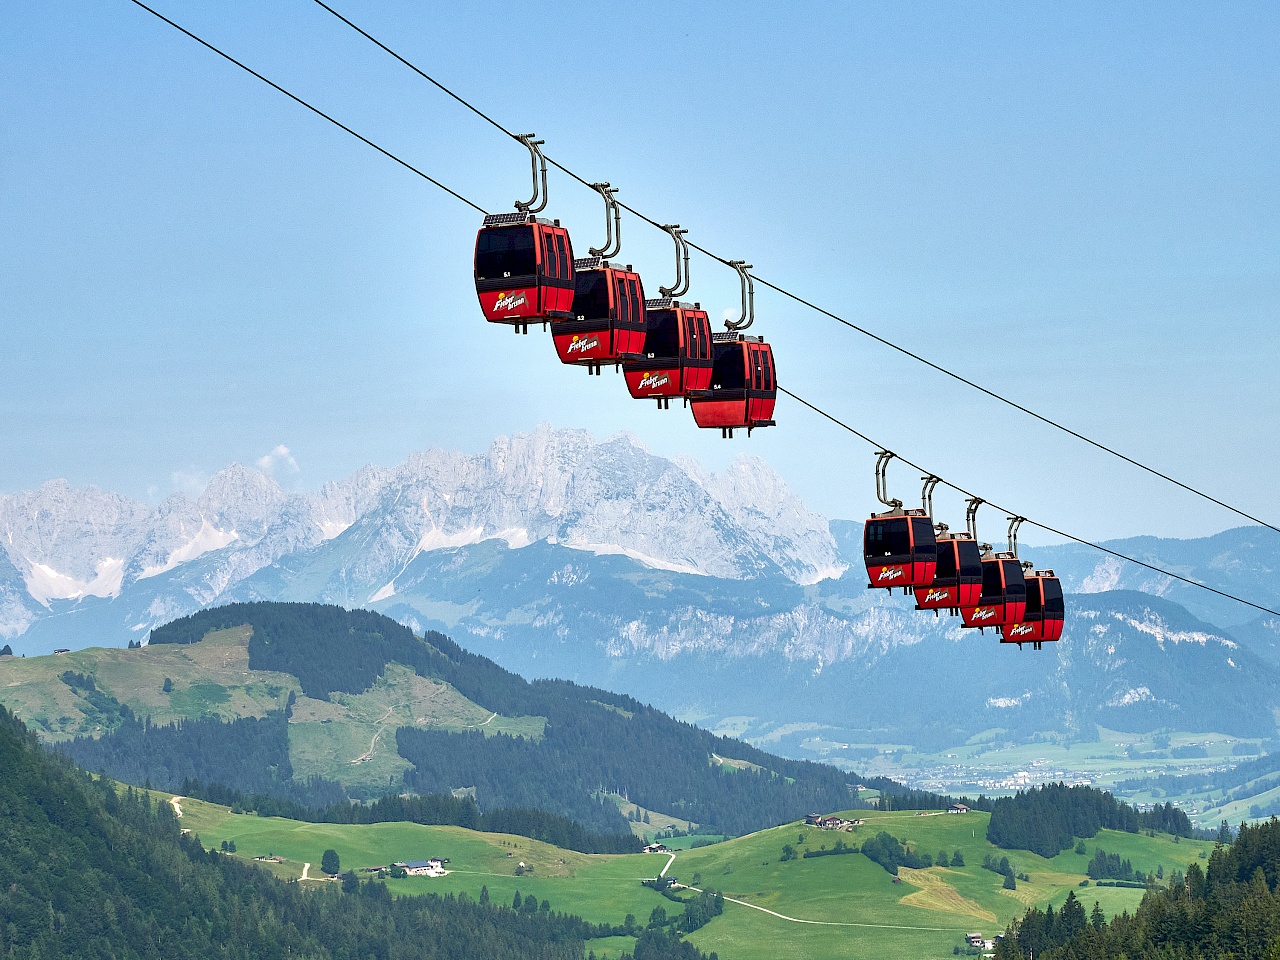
<point x="926" y="541"/>
<point x="661" y="337"/>
<point x="946" y="561"/>
<point x="992" y="585"/>
<point x="1053" y="596"/>
<point x="1015" y="584"/>
<point x="591" y="295"/>
<point x="729" y="370"/>
<point x="702" y="335"/>
<point x="886" y="538"/>
<point x="564" y="255"/>
<point x="768" y="371"/>
<point x="1035" y="603"/>
<point x="637" y="301"/>
<point x="622" y="300"/>
<point x="508" y="252"/>
<point x="550" y="262"/>
<point x="970" y="559"/>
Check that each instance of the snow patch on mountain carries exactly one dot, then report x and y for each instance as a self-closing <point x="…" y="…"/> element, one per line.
<point x="1005" y="703"/>
<point x="1132" y="696"/>
<point x="1105" y="576"/>
<point x="808" y="633"/>
<point x="207" y="538"/>
<point x="614" y="550"/>
<point x="45" y="583"/>
<point x="1153" y="626"/>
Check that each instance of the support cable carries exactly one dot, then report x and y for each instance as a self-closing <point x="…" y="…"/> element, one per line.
<point x="835" y="420"/>
<point x="960" y="378"/>
<point x="316" y="110"/>
<point x="1043" y="526"/>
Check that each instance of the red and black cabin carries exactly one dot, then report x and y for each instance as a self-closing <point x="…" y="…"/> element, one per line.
<point x="743" y="388"/>
<point x="957" y="580"/>
<point x="676" y="356"/>
<point x="608" y="317"/>
<point x="524" y="270"/>
<point x="1045" y="613"/>
<point x="1004" y="593"/>
<point x="900" y="549"/>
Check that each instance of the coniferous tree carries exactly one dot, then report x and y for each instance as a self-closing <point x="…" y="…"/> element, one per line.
<point x="1097" y="919"/>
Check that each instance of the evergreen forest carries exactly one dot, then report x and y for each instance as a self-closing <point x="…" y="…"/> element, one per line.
<point x="1230" y="909"/>
<point x="1048" y="819"/>
<point x="88" y="869"/>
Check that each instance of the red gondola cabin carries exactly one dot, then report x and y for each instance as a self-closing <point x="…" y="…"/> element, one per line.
<point x="1045" y="613"/>
<point x="524" y="270"/>
<point x="957" y="581"/>
<point x="676" y="357"/>
<point x="744" y="385"/>
<point x="1004" y="593"/>
<point x="900" y="549"/>
<point x="608" y="318"/>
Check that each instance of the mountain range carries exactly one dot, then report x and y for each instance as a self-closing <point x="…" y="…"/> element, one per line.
<point x="65" y="552"/>
<point x="721" y="597"/>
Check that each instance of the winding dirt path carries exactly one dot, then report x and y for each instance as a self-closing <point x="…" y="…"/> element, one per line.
<point x="306" y="868"/>
<point x="177" y="809"/>
<point x="368" y="755"/>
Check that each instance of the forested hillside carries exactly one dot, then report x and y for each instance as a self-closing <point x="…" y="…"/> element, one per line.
<point x="593" y="742"/>
<point x="249" y="755"/>
<point x="1230" y="910"/>
<point x="1048" y="819"/>
<point x="86" y="871"/>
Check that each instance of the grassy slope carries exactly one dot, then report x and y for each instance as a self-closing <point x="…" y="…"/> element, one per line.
<point x="657" y="821"/>
<point x="599" y="888"/>
<point x="209" y="677"/>
<point x="865" y="913"/>
<point x="356" y="746"/>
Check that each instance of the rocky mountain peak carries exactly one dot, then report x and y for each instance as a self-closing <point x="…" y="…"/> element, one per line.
<point x="609" y="496"/>
<point x="240" y="497"/>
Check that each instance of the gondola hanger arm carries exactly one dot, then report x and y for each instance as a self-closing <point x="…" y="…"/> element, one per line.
<point x="1014" y="523"/>
<point x="882" y="484"/>
<point x="748" y="298"/>
<point x="612" y="223"/>
<point x="539" y="201"/>
<point x="681" y="285"/>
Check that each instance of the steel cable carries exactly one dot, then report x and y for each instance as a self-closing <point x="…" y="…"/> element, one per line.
<point x="1049" y="421"/>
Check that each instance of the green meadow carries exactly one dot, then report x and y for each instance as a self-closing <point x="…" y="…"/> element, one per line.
<point x="814" y="908"/>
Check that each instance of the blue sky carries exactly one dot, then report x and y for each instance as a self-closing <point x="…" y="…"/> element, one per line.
<point x="1078" y="205"/>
